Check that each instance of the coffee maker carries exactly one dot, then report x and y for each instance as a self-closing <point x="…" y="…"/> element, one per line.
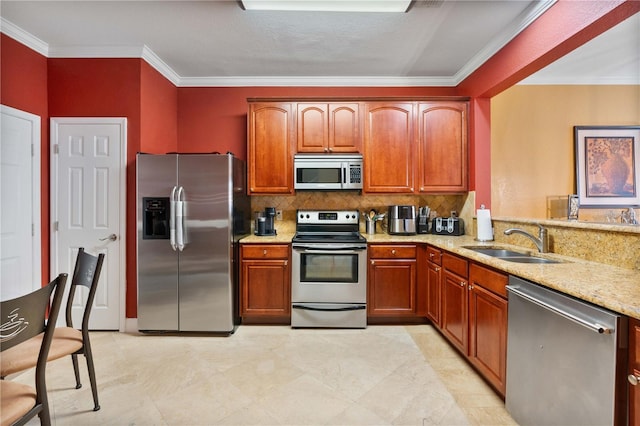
<point x="265" y="222"/>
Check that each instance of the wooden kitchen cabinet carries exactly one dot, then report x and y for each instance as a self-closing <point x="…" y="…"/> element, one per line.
<point x="634" y="370"/>
<point x="270" y="144"/>
<point x="488" y="309"/>
<point x="392" y="280"/>
<point x="265" y="283"/>
<point x="455" y="301"/>
<point x="442" y="147"/>
<point x="389" y="147"/>
<point x="434" y="277"/>
<point x="328" y="128"/>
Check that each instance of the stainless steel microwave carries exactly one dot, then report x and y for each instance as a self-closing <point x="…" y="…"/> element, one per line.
<point x="327" y="171"/>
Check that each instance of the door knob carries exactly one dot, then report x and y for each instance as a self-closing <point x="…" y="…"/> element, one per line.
<point x="111" y="237"/>
<point x="633" y="379"/>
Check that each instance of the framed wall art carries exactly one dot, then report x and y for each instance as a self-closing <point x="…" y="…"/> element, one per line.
<point x="607" y="159"/>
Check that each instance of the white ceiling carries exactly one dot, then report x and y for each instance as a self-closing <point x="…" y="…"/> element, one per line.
<point x="217" y="43"/>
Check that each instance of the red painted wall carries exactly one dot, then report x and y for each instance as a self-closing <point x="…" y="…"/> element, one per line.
<point x="215" y="118"/>
<point x="23" y="85"/>
<point x="158" y="112"/>
<point x="104" y="88"/>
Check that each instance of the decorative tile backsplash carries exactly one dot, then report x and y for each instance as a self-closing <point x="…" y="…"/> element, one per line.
<point x="311" y="200"/>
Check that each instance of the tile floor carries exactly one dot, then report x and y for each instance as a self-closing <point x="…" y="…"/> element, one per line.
<point x="271" y="375"/>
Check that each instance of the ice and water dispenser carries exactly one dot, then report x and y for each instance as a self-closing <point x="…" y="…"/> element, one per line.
<point x="155" y="218"/>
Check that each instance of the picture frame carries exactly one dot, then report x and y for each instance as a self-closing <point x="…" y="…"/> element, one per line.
<point x="607" y="166"/>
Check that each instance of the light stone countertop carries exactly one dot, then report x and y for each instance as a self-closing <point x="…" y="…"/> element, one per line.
<point x="617" y="289"/>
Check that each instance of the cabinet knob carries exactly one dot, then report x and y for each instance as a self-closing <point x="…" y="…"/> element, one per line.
<point x="462" y="283"/>
<point x="330" y="149"/>
<point x="326" y="150"/>
<point x="633" y="379"/>
<point x="431" y="255"/>
<point x="393" y="252"/>
<point x="286" y="262"/>
<point x="437" y="269"/>
<point x="264" y="252"/>
<point x="373" y="262"/>
<point x="470" y="287"/>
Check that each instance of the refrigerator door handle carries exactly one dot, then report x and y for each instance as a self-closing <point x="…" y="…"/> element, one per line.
<point x="180" y="219"/>
<point x="172" y="219"/>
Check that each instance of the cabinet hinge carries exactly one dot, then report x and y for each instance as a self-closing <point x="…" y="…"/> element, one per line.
<point x="55" y="226"/>
<point x="56" y="148"/>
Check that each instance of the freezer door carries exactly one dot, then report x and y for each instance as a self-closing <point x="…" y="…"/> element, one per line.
<point x="206" y="286"/>
<point x="157" y="261"/>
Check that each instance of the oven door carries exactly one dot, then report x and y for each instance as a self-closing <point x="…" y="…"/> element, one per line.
<point x="323" y="273"/>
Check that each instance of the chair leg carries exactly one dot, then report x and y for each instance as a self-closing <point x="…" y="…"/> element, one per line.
<point x="76" y="370"/>
<point x="92" y="375"/>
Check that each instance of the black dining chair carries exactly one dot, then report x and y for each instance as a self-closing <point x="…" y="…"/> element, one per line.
<point x="24" y="321"/>
<point x="69" y="340"/>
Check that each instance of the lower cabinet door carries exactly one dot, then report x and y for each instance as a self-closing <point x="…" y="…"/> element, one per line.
<point x="454" y="314"/>
<point x="488" y="335"/>
<point x="265" y="288"/>
<point x="392" y="287"/>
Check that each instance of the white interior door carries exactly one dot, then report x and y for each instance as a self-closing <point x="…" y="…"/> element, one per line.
<point x="88" y="188"/>
<point x="20" y="243"/>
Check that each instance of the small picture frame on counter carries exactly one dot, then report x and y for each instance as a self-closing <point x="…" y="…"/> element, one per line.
<point x="573" y="207"/>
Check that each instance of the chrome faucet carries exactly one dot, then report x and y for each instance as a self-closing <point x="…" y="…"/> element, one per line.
<point x="542" y="242"/>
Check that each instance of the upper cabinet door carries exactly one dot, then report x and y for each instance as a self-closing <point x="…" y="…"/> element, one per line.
<point x="328" y="128"/>
<point x="344" y="128"/>
<point x="313" y="128"/>
<point x="389" y="147"/>
<point x="442" y="154"/>
<point x="270" y="162"/>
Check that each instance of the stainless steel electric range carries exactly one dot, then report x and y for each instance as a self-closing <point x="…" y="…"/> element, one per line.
<point x="329" y="270"/>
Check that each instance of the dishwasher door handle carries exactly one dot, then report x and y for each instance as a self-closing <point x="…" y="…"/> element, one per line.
<point x="597" y="328"/>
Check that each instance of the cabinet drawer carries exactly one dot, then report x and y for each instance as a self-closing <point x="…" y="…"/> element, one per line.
<point x="434" y="255"/>
<point x="392" y="251"/>
<point x="489" y="279"/>
<point x="265" y="251"/>
<point x="455" y="264"/>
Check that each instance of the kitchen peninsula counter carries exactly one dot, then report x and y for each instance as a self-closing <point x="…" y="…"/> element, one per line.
<point x="614" y="288"/>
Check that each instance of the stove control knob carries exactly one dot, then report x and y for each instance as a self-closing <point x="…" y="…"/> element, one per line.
<point x="307" y="215"/>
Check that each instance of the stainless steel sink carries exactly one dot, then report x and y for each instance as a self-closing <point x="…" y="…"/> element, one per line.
<point x="511" y="255"/>
<point x="529" y="259"/>
<point x="496" y="252"/>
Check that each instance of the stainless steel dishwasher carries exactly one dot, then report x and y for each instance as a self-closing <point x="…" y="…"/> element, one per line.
<point x="561" y="358"/>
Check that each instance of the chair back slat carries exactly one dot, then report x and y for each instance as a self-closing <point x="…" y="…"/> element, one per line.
<point x="86" y="273"/>
<point x="24" y="316"/>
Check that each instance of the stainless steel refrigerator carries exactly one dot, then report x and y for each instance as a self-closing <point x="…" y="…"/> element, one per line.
<point x="192" y="210"/>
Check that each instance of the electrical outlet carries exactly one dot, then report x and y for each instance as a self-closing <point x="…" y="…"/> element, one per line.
<point x="278" y="214"/>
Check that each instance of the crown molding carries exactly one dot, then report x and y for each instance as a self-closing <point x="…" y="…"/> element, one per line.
<point x="316" y="81"/>
<point x="29" y="40"/>
<point x="580" y="81"/>
<point x="159" y="65"/>
<point x="508" y="34"/>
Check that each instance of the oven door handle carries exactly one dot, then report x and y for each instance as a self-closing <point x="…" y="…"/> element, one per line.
<point x="341" y="309"/>
<point x="330" y="249"/>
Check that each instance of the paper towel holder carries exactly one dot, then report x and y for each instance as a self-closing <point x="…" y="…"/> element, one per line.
<point x="482" y="207"/>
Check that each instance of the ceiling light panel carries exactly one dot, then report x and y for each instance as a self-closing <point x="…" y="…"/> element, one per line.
<point x="329" y="5"/>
